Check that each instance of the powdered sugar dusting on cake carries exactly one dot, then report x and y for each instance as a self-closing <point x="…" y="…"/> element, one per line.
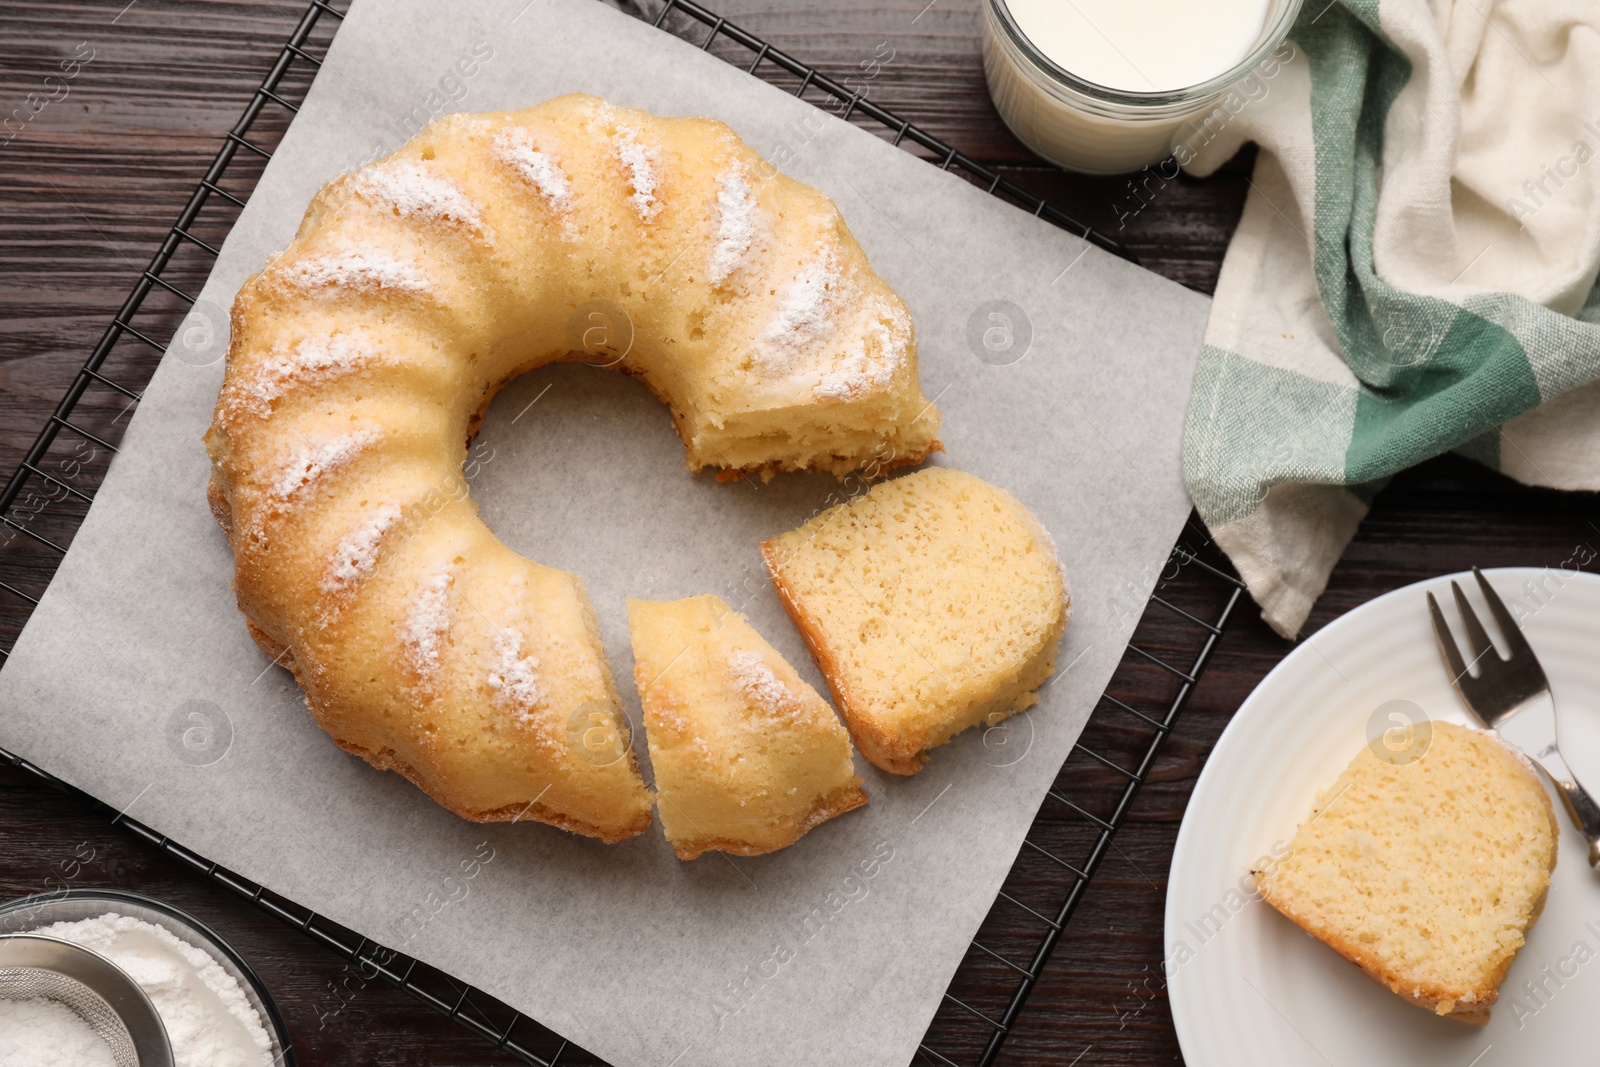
<point x="311" y="460"/>
<point x="761" y="684"/>
<point x="758" y="681"/>
<point x="422" y="633"/>
<point x="348" y="267"/>
<point x="416" y="189"/>
<point x="664" y="716"/>
<point x="515" y="677"/>
<point x="737" y="218"/>
<point x="664" y="719"/>
<point x="357" y="554"/>
<point x="865" y="367"/>
<point x="309" y="359"/>
<point x="461" y="122"/>
<point x="640" y="160"/>
<point x="516" y="147"/>
<point x="806" y="314"/>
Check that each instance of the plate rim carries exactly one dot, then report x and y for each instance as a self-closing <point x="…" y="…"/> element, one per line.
<point x="1190" y="835"/>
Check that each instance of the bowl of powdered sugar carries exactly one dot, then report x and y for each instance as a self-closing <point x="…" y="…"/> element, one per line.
<point x="215" y="1010"/>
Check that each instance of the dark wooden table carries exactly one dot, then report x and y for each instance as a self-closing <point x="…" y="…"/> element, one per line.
<point x="93" y="178"/>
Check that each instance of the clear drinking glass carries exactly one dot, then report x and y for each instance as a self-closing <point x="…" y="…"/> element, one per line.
<point x="1097" y="130"/>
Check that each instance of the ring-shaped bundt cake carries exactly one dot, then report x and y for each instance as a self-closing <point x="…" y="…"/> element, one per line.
<point x="362" y="358"/>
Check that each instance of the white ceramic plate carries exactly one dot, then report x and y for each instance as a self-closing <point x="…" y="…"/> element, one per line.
<point x="1249" y="987"/>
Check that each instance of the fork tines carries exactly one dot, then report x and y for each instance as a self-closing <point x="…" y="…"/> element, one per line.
<point x="1498" y="677"/>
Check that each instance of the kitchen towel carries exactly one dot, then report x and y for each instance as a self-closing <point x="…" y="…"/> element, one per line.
<point x="1414" y="273"/>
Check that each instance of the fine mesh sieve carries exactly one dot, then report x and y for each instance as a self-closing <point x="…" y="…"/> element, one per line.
<point x="36" y="913"/>
<point x="93" y="988"/>
<point x="29" y="983"/>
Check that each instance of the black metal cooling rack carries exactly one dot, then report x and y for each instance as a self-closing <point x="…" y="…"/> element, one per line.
<point x="46" y="497"/>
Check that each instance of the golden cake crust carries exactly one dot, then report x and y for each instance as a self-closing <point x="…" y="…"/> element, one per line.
<point x="841" y="800"/>
<point x="747" y="757"/>
<point x="897" y="738"/>
<point x="362" y="358"/>
<point x="882" y="748"/>
<point x="1470" y="1004"/>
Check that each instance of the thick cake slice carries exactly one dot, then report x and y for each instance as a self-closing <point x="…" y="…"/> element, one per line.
<point x="1425" y="873"/>
<point x="933" y="603"/>
<point x="747" y="756"/>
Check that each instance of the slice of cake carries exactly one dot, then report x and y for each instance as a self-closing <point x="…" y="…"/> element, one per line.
<point x="933" y="603"/>
<point x="1426" y="874"/>
<point x="747" y="756"/>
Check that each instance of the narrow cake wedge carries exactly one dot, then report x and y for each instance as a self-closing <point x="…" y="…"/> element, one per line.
<point x="747" y="756"/>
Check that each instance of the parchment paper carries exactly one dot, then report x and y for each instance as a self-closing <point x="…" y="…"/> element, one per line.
<point x="135" y="679"/>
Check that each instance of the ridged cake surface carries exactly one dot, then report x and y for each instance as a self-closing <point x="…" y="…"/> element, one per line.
<point x="362" y="358"/>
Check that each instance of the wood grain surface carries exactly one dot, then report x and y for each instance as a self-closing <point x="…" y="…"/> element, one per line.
<point x="115" y="110"/>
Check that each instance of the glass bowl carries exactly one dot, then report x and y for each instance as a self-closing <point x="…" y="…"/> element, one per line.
<point x="73" y="905"/>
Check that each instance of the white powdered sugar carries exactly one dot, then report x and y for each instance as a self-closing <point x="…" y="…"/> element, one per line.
<point x="640" y="161"/>
<point x="737" y="218"/>
<point x="310" y="460"/>
<point x="348" y="267"/>
<point x="806" y="314"/>
<point x="310" y="359"/>
<point x="422" y="634"/>
<point x="665" y="718"/>
<point x="357" y="554"/>
<point x="759" y="683"/>
<point x="462" y="122"/>
<point x="209" y="1020"/>
<point x="415" y="189"/>
<point x="46" y="1033"/>
<point x="515" y="677"/>
<point x="865" y="366"/>
<point x="516" y="147"/>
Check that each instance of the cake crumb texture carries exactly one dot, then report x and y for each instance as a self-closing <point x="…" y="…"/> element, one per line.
<point x="1427" y="872"/>
<point x="933" y="603"/>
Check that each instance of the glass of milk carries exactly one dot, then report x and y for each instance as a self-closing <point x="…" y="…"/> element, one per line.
<point x="1109" y="86"/>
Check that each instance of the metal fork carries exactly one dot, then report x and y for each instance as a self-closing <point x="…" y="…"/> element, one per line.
<point x="1511" y="696"/>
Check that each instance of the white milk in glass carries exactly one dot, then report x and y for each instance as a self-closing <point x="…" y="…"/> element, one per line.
<point x="1134" y="70"/>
